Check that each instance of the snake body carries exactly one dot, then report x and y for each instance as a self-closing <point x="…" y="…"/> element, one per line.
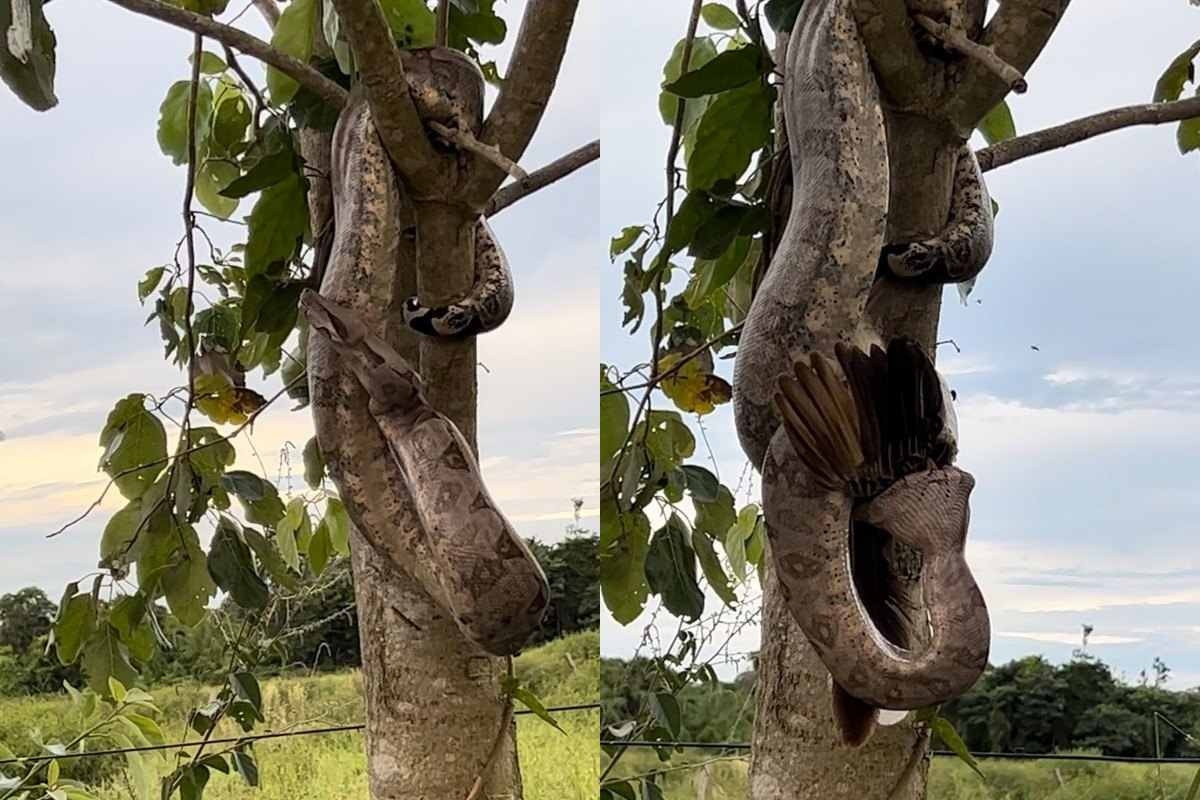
<point x="410" y="481"/>
<point x="483" y="309"/>
<point x="871" y="447"/>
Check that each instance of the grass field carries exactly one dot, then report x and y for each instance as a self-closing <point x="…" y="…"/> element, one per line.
<point x="333" y="766"/>
<point x="725" y="779"/>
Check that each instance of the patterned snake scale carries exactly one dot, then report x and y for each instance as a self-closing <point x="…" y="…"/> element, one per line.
<point x="409" y="479"/>
<point x="870" y="444"/>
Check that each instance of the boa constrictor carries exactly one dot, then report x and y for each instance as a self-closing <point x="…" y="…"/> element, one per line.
<point x="409" y="479"/>
<point x="872" y="448"/>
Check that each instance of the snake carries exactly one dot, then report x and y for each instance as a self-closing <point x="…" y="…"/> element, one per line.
<point x="853" y="435"/>
<point x="409" y="480"/>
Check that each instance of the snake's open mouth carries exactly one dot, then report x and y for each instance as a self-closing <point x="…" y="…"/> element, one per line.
<point x="879" y="588"/>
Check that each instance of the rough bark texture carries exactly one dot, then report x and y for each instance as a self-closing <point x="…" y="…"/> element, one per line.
<point x="929" y="109"/>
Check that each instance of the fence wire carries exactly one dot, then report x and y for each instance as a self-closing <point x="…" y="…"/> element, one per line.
<point x="254" y="737"/>
<point x="745" y="746"/>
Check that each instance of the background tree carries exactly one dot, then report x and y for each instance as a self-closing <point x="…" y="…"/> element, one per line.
<point x="24" y="616"/>
<point x="727" y="191"/>
<point x="225" y="304"/>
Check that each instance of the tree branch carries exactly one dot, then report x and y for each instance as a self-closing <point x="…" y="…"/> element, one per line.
<point x="541" y="178"/>
<point x="1086" y="128"/>
<point x="532" y="73"/>
<point x="303" y="74"/>
<point x="958" y="41"/>
<point x="1016" y="35"/>
<point x="392" y="108"/>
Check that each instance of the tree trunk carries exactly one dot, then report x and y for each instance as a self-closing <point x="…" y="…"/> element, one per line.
<point x="434" y="701"/>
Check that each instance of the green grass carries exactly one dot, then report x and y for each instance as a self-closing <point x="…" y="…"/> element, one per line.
<point x="704" y="777"/>
<point x="333" y="766"/>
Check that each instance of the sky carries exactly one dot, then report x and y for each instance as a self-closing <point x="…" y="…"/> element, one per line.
<point x="89" y="203"/>
<point x="1084" y="449"/>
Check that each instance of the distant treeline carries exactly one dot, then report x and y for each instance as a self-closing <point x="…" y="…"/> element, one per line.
<point x="316" y="630"/>
<point x="1027" y="705"/>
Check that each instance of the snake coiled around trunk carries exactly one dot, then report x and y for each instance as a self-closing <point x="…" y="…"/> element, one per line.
<point x="410" y="481"/>
<point x="824" y="477"/>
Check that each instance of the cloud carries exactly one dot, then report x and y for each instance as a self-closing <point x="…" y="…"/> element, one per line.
<point x="1068" y="638"/>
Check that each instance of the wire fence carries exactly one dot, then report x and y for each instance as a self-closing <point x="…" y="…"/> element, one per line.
<point x="255" y="737"/>
<point x="745" y="746"/>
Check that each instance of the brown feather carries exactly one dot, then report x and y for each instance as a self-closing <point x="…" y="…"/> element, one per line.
<point x="808" y="418"/>
<point x="840" y="448"/>
<point x="842" y="406"/>
<point x="855" y="719"/>
<point x="805" y="447"/>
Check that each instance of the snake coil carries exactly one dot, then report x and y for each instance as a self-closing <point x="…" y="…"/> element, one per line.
<point x="854" y="435"/>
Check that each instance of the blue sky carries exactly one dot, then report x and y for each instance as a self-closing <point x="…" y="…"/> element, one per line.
<point x="88" y="204"/>
<point x="1084" y="449"/>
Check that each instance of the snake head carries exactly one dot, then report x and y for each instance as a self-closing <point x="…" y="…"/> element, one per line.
<point x="390" y="382"/>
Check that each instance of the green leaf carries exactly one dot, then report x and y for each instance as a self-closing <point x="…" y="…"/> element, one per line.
<point x="104" y="657"/>
<point x="781" y="14"/>
<point x="715" y="236"/>
<point x="191" y="781"/>
<point x="624" y="541"/>
<point x="133" y="437"/>
<point x="271" y="169"/>
<point x="703" y="51"/>
<point x="210" y="63"/>
<point x="116" y="689"/>
<point x="532" y="702"/>
<point x="669" y="440"/>
<point x="293" y="35"/>
<point x="624" y="240"/>
<point x="210" y="180"/>
<point x="712" y="275"/>
<point x="127" y="614"/>
<point x="729" y="70"/>
<point x="186" y="583"/>
<point x="1181" y="71"/>
<point x="714" y="573"/>
<point x="614" y="423"/>
<point x="230" y="122"/>
<point x="717" y="517"/>
<point x="278" y="223"/>
<point x="671" y="570"/>
<point x="720" y="17"/>
<point x="319" y="548"/>
<point x="244" y="763"/>
<point x="735" y="126"/>
<point x="75" y="623"/>
<point x="28" y="66"/>
<point x="411" y="21"/>
<point x="1188" y="134"/>
<point x="260" y="499"/>
<point x="173" y="119"/>
<point x="337" y="521"/>
<point x="314" y="464"/>
<point x="695" y="210"/>
<point x="703" y="485"/>
<point x="666" y="710"/>
<point x="998" y="125"/>
<point x="295" y="517"/>
<point x="119" y="542"/>
<point x="271" y="558"/>
<point x="736" y="538"/>
<point x="945" y="730"/>
<point x="149" y="283"/>
<point x="232" y="567"/>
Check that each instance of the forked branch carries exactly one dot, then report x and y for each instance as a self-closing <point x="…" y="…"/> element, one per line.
<point x="1016" y="35"/>
<point x="532" y="73"/>
<point x="239" y="40"/>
